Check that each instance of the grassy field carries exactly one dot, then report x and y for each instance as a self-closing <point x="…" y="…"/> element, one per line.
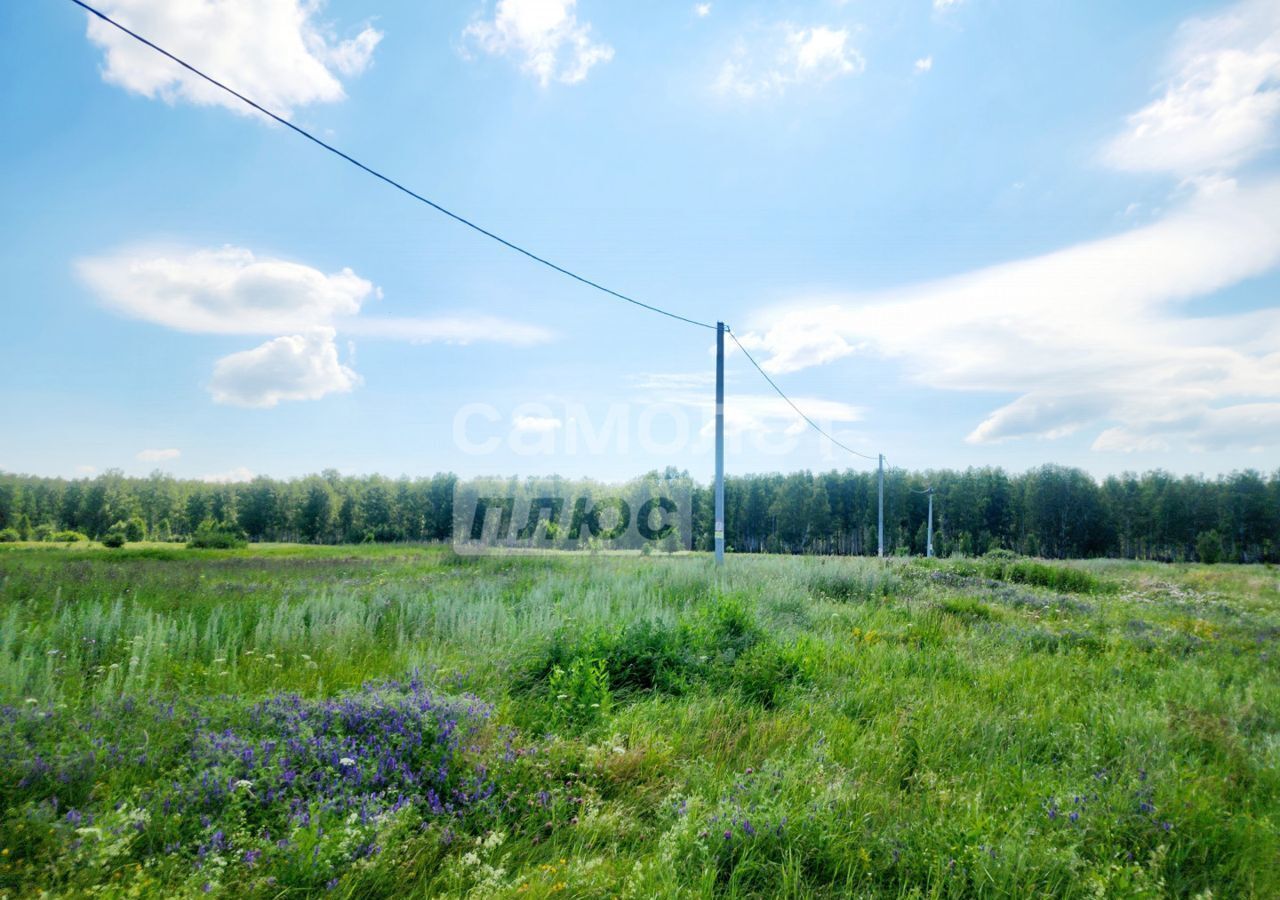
<point x="398" y="721"/>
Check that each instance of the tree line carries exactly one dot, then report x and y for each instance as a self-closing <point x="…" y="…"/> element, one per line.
<point x="1052" y="511"/>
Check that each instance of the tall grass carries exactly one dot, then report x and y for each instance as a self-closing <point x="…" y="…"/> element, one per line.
<point x="784" y="726"/>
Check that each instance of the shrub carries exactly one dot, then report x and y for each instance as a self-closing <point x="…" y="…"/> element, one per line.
<point x="650" y="655"/>
<point x="9" y="535"/>
<point x="115" y="536"/>
<point x="67" y="537"/>
<point x="212" y="535"/>
<point x="135" y="529"/>
<point x="644" y="656"/>
<point x="1209" y="547"/>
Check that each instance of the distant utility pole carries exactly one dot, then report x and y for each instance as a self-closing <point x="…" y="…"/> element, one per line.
<point x="929" y="534"/>
<point x="881" y="541"/>
<point x="719" y="533"/>
<point x="928" y="551"/>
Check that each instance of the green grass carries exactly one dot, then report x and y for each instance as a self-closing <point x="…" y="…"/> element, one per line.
<point x="998" y="728"/>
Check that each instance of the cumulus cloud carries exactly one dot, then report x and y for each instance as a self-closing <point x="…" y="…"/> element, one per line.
<point x="294" y="367"/>
<point x="1092" y="336"/>
<point x="702" y="10"/>
<point x="1221" y="102"/>
<point x="275" y="51"/>
<point x="787" y="57"/>
<point x="924" y="64"/>
<point x="230" y="290"/>
<point x="224" y="291"/>
<point x="543" y="36"/>
<point x="158" y="455"/>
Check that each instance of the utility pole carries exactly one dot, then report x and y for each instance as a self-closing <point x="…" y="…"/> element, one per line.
<point x="719" y="532"/>
<point x="929" y="534"/>
<point x="881" y="530"/>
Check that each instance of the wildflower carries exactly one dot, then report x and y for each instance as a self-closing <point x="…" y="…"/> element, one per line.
<point x="346" y="761"/>
<point x="32" y="700"/>
<point x="242" y="783"/>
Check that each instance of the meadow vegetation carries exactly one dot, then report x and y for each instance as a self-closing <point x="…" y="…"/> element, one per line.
<point x="400" y="721"/>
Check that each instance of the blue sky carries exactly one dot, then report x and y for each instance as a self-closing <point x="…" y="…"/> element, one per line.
<point x="959" y="233"/>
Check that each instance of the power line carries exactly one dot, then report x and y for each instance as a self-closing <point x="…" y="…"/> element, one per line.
<point x="799" y="412"/>
<point x="455" y="216"/>
<point x="376" y="174"/>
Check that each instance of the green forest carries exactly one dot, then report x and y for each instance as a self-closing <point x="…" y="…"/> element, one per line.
<point x="1051" y="511"/>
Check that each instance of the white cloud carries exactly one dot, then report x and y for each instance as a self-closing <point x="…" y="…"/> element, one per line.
<point x="1251" y="426"/>
<point x="1091" y="336"/>
<point x="544" y="36"/>
<point x="790" y="56"/>
<point x="274" y="51"/>
<point x="702" y="10"/>
<point x="798" y="343"/>
<point x="231" y="291"/>
<point x="234" y="476"/>
<point x="535" y="424"/>
<point x="1221" y="103"/>
<point x="158" y="455"/>
<point x="941" y="5"/>
<point x="924" y="64"/>
<point x="224" y="291"/>
<point x="770" y="414"/>
<point x="294" y="367"/>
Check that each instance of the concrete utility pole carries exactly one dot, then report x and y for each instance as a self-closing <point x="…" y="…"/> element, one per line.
<point x="881" y="541"/>
<point x="719" y="533"/>
<point x="929" y="534"/>
<point x="928" y="545"/>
